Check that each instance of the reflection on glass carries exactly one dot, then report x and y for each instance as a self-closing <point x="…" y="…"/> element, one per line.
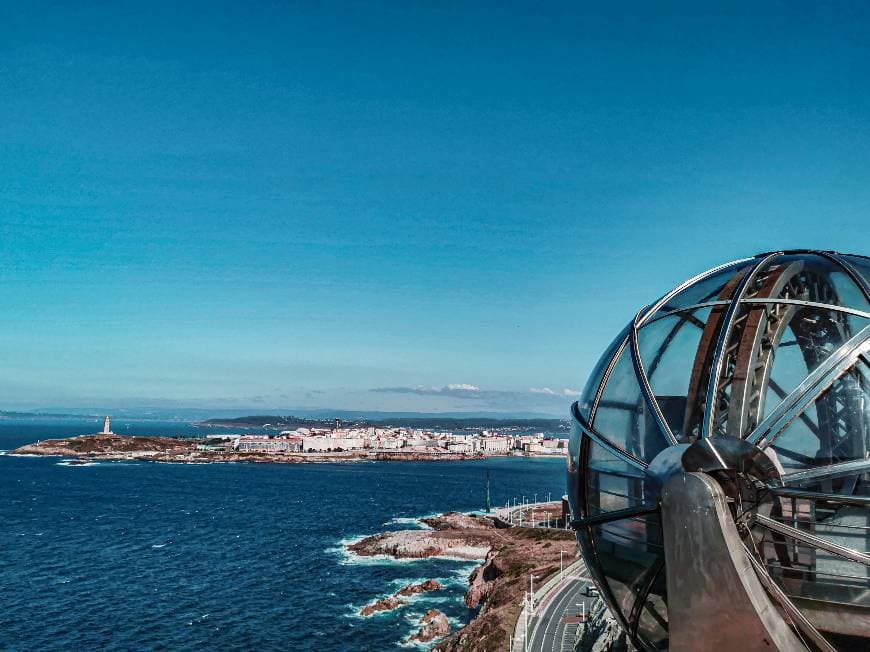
<point x="667" y="347"/>
<point x="623" y="417"/>
<point x="587" y="398"/>
<point x="718" y="286"/>
<point x="834" y="428"/>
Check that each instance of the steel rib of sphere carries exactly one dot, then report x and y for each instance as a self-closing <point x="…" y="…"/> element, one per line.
<point x="774" y="351"/>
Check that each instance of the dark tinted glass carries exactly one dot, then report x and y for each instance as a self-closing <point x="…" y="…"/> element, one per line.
<point x="623" y="417"/>
<point x="668" y="347"/>
<point x="592" y="384"/>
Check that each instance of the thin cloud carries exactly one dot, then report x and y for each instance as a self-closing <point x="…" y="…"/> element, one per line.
<point x="456" y="390"/>
<point x="493" y="397"/>
<point x="546" y="391"/>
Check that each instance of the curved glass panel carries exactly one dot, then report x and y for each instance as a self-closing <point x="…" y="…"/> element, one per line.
<point x="812" y="576"/>
<point x="712" y="288"/>
<point x="628" y="550"/>
<point x="809" y="277"/>
<point x="587" y="398"/>
<point x="807" y="338"/>
<point x="833" y="429"/>
<point x="652" y="623"/>
<point x="623" y="416"/>
<point x="861" y="264"/>
<point x="771" y="350"/>
<point x="611" y="484"/>
<point x="667" y="347"/>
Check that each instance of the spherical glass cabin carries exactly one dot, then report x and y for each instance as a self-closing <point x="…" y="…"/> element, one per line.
<point x="770" y="355"/>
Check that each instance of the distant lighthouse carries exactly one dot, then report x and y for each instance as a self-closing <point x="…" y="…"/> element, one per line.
<point x="107" y="426"/>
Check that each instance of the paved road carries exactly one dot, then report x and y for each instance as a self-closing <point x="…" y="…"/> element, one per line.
<point x="549" y="632"/>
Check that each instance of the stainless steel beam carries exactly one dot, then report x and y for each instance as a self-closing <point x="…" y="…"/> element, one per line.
<point x="724" y="336"/>
<point x="706" y="563"/>
<point x="811" y="387"/>
<point x="795" y="614"/>
<point x="616" y="515"/>
<point x="839" y="499"/>
<point x="812" y="540"/>
<point x="813" y="304"/>
<point x="826" y="472"/>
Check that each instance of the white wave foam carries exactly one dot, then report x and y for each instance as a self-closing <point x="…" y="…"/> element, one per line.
<point x="413" y="521"/>
<point x="76" y="463"/>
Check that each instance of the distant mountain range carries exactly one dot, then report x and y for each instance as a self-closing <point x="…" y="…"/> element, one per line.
<point x="310" y="418"/>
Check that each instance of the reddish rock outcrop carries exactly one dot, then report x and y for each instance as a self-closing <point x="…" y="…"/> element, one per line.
<point x="385" y="604"/>
<point x="423" y="587"/>
<point x="435" y="625"/>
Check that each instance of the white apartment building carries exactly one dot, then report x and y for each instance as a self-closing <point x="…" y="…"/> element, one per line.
<point x="495" y="444"/>
<point x="263" y="444"/>
<point x="324" y="443"/>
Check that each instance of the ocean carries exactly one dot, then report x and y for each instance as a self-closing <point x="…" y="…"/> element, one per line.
<point x="123" y="555"/>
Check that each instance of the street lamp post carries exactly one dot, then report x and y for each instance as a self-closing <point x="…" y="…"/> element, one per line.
<point x="532" y="579"/>
<point x="526" y="633"/>
<point x="561" y="552"/>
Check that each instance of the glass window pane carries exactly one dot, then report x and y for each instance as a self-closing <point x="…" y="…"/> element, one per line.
<point x="861" y="265"/>
<point x="806" y="572"/>
<point x="812" y="278"/>
<point x="630" y="552"/>
<point x="806" y="338"/>
<point x="834" y="428"/>
<point x="773" y="348"/>
<point x="668" y="347"/>
<point x="594" y="381"/>
<point x="709" y="289"/>
<point x="623" y="417"/>
<point x="653" y="621"/>
<point x="611" y="484"/>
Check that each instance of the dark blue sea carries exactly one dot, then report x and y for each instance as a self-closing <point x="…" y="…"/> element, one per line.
<point x="124" y="556"/>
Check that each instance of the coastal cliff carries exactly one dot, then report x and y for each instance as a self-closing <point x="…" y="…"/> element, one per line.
<point x="508" y="556"/>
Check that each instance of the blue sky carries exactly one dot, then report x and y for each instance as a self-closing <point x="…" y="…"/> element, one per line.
<point x="397" y="206"/>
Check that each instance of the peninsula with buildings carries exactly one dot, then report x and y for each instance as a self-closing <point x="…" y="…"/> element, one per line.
<point x="325" y="443"/>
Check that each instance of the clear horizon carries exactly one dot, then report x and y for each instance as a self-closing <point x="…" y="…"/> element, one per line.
<point x="409" y="208"/>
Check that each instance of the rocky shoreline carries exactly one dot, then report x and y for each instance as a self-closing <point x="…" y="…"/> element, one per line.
<point x="508" y="556"/>
<point x="395" y="601"/>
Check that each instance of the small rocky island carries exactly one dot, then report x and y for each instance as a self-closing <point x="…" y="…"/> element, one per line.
<point x="508" y="556"/>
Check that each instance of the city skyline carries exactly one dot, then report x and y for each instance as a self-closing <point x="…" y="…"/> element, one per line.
<point x="406" y="208"/>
